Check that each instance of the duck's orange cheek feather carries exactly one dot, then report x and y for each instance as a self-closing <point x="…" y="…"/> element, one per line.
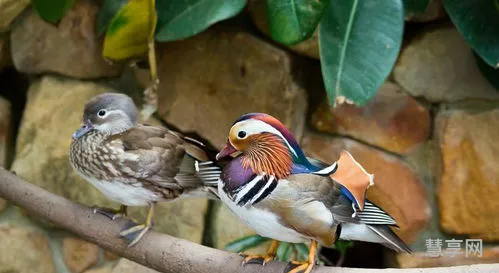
<point x="240" y="144"/>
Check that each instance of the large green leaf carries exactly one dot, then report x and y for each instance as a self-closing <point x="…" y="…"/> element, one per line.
<point x="292" y="21"/>
<point x="284" y="251"/>
<point x="302" y="251"/>
<point x="52" y="10"/>
<point x="130" y="30"/>
<point x="491" y="74"/>
<point x="107" y="12"/>
<point x="359" y="42"/>
<point x="478" y="22"/>
<point x="415" y="6"/>
<point x="181" y="19"/>
<point x="246" y="242"/>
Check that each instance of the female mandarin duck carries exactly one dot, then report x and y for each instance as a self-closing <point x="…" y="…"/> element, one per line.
<point x="136" y="164"/>
<point x="281" y="194"/>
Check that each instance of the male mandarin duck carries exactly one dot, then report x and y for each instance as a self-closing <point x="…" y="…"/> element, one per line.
<point x="136" y="164"/>
<point x="271" y="185"/>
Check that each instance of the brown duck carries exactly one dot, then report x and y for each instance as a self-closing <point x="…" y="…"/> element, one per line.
<point x="136" y="164"/>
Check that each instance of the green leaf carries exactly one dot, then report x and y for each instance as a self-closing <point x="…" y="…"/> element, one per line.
<point x="107" y="12"/>
<point x="359" y="41"/>
<point x="491" y="74"/>
<point x="246" y="242"/>
<point x="130" y="31"/>
<point x="415" y="6"/>
<point x="302" y="250"/>
<point x="293" y="21"/>
<point x="181" y="19"/>
<point x="478" y="22"/>
<point x="52" y="10"/>
<point x="284" y="251"/>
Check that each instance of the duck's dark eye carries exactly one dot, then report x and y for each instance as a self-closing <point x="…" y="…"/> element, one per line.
<point x="241" y="134"/>
<point x="101" y="113"/>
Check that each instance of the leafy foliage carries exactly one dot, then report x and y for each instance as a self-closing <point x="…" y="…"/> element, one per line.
<point x="107" y="12"/>
<point x="490" y="73"/>
<point x="245" y="243"/>
<point x="358" y="40"/>
<point x="292" y="21"/>
<point x="182" y="19"/>
<point x="351" y="70"/>
<point x="130" y="30"/>
<point x="284" y="251"/>
<point x="415" y="6"/>
<point x="52" y="10"/>
<point x="302" y="251"/>
<point x="478" y="22"/>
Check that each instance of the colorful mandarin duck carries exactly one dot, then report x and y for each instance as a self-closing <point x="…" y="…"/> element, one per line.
<point x="283" y="195"/>
<point x="136" y="164"/>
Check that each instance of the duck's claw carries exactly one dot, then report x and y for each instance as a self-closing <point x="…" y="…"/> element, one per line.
<point x="256" y="259"/>
<point x="133" y="233"/>
<point x="299" y="267"/>
<point x="262" y="259"/>
<point x="111" y="213"/>
<point x="305" y="266"/>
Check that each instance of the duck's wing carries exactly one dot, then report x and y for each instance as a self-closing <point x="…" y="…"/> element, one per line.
<point x="165" y="158"/>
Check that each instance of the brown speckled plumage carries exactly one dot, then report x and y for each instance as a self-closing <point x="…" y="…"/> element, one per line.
<point x="135" y="164"/>
<point x="143" y="156"/>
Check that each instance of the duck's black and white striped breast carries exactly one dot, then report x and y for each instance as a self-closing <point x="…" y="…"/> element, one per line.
<point x="263" y="220"/>
<point x="252" y="192"/>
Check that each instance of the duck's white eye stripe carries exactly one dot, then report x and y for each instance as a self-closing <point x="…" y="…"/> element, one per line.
<point x="253" y="126"/>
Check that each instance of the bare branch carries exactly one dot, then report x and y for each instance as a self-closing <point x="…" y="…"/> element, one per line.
<point x="159" y="251"/>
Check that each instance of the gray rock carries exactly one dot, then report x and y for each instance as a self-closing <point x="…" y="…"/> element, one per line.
<point x="24" y="250"/>
<point x="468" y="187"/>
<point x="439" y="65"/>
<point x="9" y="10"/>
<point x="392" y="120"/>
<point x="71" y="48"/>
<point x="107" y="268"/>
<point x="5" y="119"/>
<point x="211" y="79"/>
<point x="79" y="254"/>
<point x="5" y="122"/>
<point x="4" y="53"/>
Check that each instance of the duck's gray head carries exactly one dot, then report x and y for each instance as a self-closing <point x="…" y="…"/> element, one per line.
<point x="108" y="113"/>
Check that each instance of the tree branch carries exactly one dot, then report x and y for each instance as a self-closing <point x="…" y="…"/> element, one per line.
<point x="158" y="251"/>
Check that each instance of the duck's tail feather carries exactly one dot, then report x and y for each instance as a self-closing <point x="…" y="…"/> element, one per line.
<point x="381" y="234"/>
<point x="391" y="240"/>
<point x="199" y="172"/>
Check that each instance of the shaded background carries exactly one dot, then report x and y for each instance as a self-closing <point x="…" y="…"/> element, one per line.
<point x="428" y="135"/>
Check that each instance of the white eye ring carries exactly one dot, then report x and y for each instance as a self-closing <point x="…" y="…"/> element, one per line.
<point x="102" y="113"/>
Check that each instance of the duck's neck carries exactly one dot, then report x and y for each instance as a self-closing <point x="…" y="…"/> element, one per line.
<point x="235" y="175"/>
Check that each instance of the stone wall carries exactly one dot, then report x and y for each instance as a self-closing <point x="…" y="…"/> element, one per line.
<point x="428" y="135"/>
